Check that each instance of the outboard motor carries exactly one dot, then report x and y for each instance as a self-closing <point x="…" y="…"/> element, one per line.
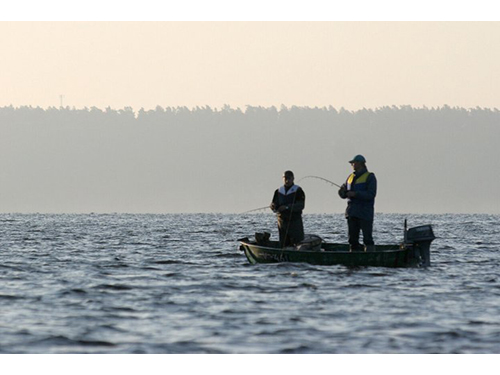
<point x="419" y="239"/>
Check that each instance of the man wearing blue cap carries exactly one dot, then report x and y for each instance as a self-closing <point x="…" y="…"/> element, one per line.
<point x="360" y="190"/>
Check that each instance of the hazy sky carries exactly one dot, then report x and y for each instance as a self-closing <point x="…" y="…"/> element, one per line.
<point x="343" y="64"/>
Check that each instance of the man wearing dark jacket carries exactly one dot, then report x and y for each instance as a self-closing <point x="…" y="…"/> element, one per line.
<point x="360" y="190"/>
<point x="288" y="203"/>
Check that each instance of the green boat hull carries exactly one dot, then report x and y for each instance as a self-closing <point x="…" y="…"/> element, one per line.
<point x="413" y="252"/>
<point x="383" y="256"/>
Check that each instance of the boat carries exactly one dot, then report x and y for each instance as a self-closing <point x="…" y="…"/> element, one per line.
<point x="413" y="251"/>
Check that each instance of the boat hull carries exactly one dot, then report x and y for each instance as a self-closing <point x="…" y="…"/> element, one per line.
<point x="331" y="254"/>
<point x="414" y="251"/>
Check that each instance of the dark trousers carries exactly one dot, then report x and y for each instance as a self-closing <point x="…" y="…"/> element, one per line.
<point x="291" y="231"/>
<point x="355" y="225"/>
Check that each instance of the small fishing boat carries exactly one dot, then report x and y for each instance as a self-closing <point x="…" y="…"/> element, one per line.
<point x="414" y="251"/>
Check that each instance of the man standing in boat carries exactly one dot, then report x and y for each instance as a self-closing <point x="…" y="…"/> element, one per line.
<point x="288" y="203"/>
<point x="360" y="190"/>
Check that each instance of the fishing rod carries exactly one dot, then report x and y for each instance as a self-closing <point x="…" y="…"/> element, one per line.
<point x="321" y="178"/>
<point x="255" y="209"/>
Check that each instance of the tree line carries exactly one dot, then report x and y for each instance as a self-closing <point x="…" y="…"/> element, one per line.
<point x="387" y="115"/>
<point x="203" y="159"/>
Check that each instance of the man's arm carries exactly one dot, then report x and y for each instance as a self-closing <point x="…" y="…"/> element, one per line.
<point x="274" y="203"/>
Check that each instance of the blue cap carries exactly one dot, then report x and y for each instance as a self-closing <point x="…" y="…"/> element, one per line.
<point x="358" y="158"/>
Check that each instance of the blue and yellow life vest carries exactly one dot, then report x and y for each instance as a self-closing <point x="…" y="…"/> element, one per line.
<point x="362" y="204"/>
<point x="359" y="183"/>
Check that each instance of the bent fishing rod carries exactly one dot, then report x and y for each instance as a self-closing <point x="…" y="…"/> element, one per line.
<point x="321" y="178"/>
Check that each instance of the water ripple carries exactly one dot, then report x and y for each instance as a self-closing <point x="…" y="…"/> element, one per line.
<point x="178" y="284"/>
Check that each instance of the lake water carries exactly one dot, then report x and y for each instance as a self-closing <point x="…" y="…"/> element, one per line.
<point x="178" y="284"/>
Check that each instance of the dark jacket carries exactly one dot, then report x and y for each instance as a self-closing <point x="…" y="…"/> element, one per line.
<point x="291" y="228"/>
<point x="294" y="198"/>
<point x="364" y="184"/>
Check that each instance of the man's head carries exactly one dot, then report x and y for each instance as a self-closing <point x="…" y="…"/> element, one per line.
<point x="358" y="162"/>
<point x="288" y="178"/>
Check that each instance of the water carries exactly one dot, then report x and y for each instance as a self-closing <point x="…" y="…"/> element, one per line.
<point x="178" y="284"/>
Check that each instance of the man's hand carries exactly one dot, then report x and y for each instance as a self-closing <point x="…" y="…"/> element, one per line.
<point x="282" y="208"/>
<point x="343" y="193"/>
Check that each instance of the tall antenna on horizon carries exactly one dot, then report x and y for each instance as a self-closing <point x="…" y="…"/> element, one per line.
<point x="61" y="98"/>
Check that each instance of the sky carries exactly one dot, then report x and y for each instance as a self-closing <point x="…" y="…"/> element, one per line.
<point x="343" y="64"/>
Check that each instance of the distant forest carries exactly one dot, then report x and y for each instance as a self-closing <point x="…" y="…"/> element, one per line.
<point x="388" y="115"/>
<point x="176" y="159"/>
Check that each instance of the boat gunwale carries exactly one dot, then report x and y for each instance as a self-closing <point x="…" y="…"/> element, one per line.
<point x="323" y="251"/>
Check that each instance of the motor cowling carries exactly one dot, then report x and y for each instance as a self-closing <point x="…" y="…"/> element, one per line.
<point x="419" y="240"/>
